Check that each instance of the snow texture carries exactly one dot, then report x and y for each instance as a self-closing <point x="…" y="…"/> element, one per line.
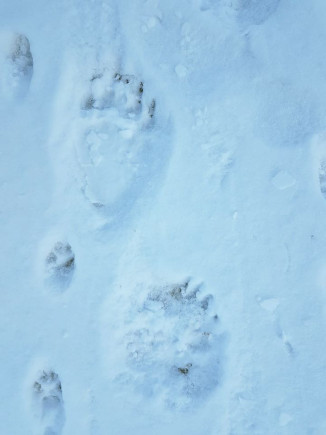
<point x="162" y="219"/>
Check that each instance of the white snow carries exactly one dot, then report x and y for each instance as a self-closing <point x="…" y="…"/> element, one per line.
<point x="163" y="209"/>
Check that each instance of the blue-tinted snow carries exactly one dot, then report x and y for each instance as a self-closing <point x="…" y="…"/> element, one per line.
<point x="163" y="200"/>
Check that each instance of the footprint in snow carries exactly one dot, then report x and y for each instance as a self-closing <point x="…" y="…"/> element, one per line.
<point x="167" y="344"/>
<point x="322" y="177"/>
<point x="60" y="265"/>
<point x="255" y="12"/>
<point x="247" y="12"/>
<point x="17" y="70"/>
<point x="47" y="403"/>
<point x="122" y="149"/>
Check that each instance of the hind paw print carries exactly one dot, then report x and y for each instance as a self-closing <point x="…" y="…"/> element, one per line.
<point x="117" y="146"/>
<point x="177" y="344"/>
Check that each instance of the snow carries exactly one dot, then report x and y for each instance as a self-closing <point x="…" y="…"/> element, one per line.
<point x="162" y="181"/>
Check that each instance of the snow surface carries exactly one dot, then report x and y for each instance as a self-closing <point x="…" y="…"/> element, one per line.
<point x="163" y="208"/>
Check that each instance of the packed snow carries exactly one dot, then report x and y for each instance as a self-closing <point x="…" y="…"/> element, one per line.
<point x="163" y="209"/>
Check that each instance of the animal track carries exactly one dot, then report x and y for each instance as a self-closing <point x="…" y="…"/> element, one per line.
<point x="322" y="177"/>
<point x="174" y="298"/>
<point x="48" y="403"/>
<point x="118" y="149"/>
<point x="254" y="11"/>
<point x="173" y="349"/>
<point x="60" y="265"/>
<point x="121" y="91"/>
<point x="18" y="67"/>
<point x="247" y="12"/>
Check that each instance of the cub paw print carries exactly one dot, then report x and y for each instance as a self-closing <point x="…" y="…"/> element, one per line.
<point x="60" y="265"/>
<point x="18" y="67"/>
<point x="48" y="403"/>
